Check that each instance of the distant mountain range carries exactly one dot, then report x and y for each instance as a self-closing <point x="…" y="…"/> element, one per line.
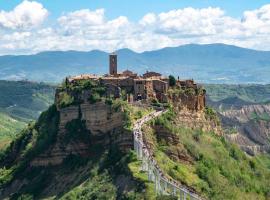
<point x="213" y="63"/>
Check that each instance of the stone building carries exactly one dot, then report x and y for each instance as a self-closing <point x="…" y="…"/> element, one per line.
<point x="143" y="89"/>
<point x="151" y="85"/>
<point x="113" y="64"/>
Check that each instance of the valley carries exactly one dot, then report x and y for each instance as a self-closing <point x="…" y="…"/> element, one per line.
<point x="20" y="103"/>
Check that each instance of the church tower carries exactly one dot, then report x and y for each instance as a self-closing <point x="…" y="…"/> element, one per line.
<point x="113" y="64"/>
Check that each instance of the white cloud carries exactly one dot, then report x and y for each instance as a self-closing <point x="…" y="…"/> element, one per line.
<point x="90" y="29"/>
<point x="190" y="21"/>
<point x="81" y="18"/>
<point x="26" y="15"/>
<point x="257" y="21"/>
<point x="148" y="19"/>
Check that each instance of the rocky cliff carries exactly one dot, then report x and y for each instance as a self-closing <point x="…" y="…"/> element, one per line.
<point x="249" y="127"/>
<point x="103" y="124"/>
<point x="194" y="102"/>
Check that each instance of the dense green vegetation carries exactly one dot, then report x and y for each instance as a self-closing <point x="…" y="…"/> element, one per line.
<point x="8" y="126"/>
<point x="21" y="102"/>
<point x="25" y="100"/>
<point x="211" y="114"/>
<point x="70" y="93"/>
<point x="103" y="179"/>
<point x="32" y="141"/>
<point x="209" y="164"/>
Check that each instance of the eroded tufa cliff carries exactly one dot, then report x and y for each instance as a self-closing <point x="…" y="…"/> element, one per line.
<point x="101" y="125"/>
<point x="249" y="127"/>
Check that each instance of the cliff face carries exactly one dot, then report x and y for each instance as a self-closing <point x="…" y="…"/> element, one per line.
<point x="103" y="126"/>
<point x="197" y="120"/>
<point x="101" y="118"/>
<point x="252" y="126"/>
<point x="194" y="102"/>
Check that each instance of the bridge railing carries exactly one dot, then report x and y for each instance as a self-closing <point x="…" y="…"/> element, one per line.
<point x="163" y="184"/>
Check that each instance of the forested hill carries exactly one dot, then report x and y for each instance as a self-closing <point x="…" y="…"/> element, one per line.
<point x="215" y="63"/>
<point x="21" y="102"/>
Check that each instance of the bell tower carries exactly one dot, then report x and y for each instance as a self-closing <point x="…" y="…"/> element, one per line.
<point x="113" y="64"/>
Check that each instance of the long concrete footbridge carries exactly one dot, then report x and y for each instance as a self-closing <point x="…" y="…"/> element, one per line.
<point x="163" y="184"/>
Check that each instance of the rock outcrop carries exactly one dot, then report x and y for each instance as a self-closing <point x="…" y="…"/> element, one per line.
<point x="196" y="120"/>
<point x="101" y="118"/>
<point x="104" y="126"/>
<point x="194" y="102"/>
<point x="252" y="127"/>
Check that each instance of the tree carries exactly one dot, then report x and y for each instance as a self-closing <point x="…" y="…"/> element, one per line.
<point x="172" y="80"/>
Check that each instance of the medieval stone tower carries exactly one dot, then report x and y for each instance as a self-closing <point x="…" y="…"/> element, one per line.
<point x="113" y="64"/>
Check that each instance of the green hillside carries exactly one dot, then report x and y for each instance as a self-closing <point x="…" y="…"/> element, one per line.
<point x="249" y="93"/>
<point x="25" y="100"/>
<point x="21" y="102"/>
<point x="207" y="163"/>
<point x="8" y="126"/>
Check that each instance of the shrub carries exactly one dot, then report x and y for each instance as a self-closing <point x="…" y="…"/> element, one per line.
<point x="108" y="101"/>
<point x="87" y="84"/>
<point x="211" y="114"/>
<point x="200" y="91"/>
<point x="95" y="97"/>
<point x="65" y="99"/>
<point x="190" y="91"/>
<point x="99" y="90"/>
<point x="172" y="80"/>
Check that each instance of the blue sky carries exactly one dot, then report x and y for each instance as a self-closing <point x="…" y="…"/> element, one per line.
<point x="136" y="9"/>
<point x="28" y="26"/>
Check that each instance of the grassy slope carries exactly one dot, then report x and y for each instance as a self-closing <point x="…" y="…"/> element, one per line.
<point x="25" y="100"/>
<point x="20" y="103"/>
<point x="218" y="169"/>
<point x="8" y="126"/>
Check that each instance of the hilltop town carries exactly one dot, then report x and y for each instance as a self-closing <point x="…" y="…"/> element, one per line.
<point x="149" y="87"/>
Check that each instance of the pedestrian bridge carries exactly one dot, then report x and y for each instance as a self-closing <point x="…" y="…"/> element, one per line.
<point x="163" y="184"/>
